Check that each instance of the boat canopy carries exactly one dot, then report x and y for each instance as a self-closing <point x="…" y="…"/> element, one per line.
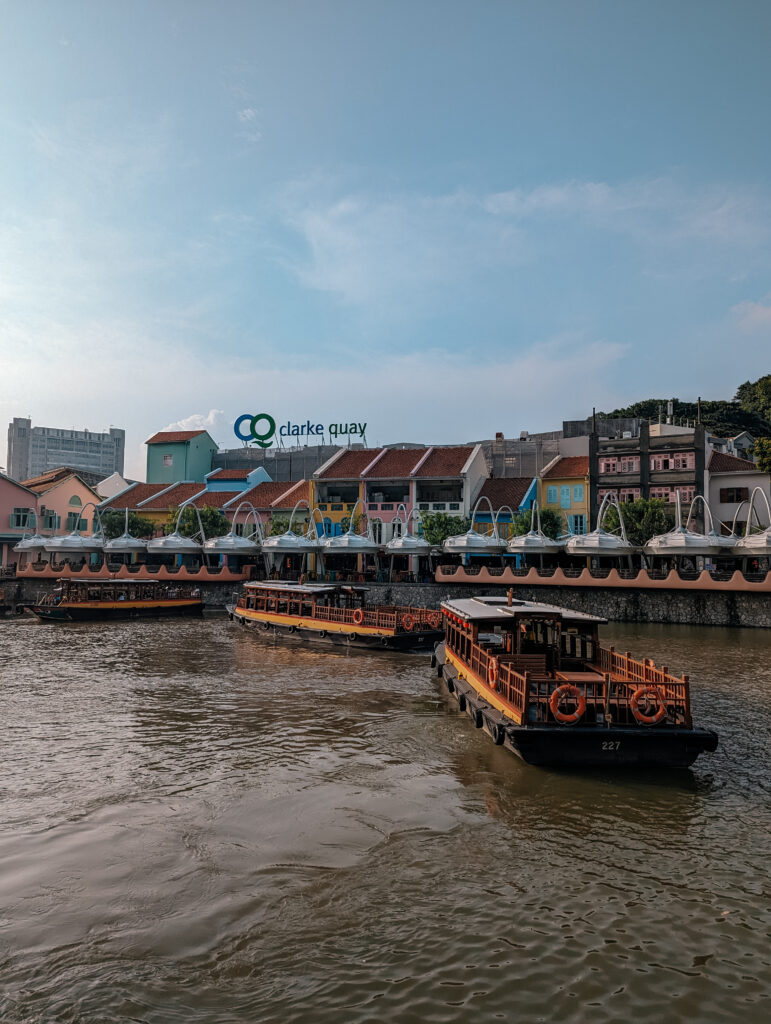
<point x="495" y="609"/>
<point x="305" y="588"/>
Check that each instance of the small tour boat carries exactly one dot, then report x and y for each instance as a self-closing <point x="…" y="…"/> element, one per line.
<point x="87" y="600"/>
<point x="535" y="677"/>
<point x="335" y="614"/>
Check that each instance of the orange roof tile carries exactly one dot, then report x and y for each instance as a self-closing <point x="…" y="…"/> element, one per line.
<point x="395" y="463"/>
<point x="170" y="436"/>
<point x="215" y="499"/>
<point x="505" y="491"/>
<point x="569" y="467"/>
<point x="263" y="495"/>
<point x="722" y="462"/>
<point x="445" y="461"/>
<point x="231" y="474"/>
<point x="131" y="497"/>
<point x="350" y="464"/>
<point x="171" y="498"/>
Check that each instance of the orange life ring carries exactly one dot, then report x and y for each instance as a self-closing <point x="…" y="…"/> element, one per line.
<point x="567" y="690"/>
<point x="646" y="692"/>
<point x="435" y="620"/>
<point x="358" y="616"/>
<point x="492" y="673"/>
<point x="409" y="623"/>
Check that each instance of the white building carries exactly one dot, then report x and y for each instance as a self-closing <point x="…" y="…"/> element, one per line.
<point x="33" y="451"/>
<point x="729" y="482"/>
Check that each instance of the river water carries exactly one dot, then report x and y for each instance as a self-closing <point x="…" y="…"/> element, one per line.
<point x="202" y="826"/>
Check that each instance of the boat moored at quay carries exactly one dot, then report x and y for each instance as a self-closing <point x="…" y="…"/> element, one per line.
<point x="536" y="678"/>
<point x="335" y="615"/>
<point x="98" y="600"/>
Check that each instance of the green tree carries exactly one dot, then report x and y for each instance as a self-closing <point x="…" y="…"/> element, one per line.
<point x="437" y="526"/>
<point x="643" y="519"/>
<point x="114" y="523"/>
<point x="755" y="396"/>
<point x="761" y="452"/>
<point x="551" y="523"/>
<point x="213" y="521"/>
<point x="345" y="523"/>
<point x="280" y="524"/>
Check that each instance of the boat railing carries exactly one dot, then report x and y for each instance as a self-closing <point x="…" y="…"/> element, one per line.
<point x="610" y="680"/>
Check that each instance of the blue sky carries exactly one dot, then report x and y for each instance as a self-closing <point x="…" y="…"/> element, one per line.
<point x="444" y="219"/>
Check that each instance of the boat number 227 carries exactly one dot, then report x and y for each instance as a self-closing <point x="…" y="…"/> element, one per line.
<point x="611" y="744"/>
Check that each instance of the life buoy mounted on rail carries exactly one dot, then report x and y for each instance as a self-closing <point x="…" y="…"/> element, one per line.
<point x="562" y="693"/>
<point x="358" y="617"/>
<point x="408" y="622"/>
<point x="648" y="694"/>
<point x="492" y="673"/>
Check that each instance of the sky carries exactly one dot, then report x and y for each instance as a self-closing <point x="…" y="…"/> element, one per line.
<point x="440" y="219"/>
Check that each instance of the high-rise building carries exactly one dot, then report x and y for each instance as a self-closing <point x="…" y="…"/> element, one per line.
<point x="33" y="451"/>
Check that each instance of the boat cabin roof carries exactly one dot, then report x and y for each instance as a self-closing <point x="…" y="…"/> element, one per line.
<point x="306" y="588"/>
<point x="494" y="609"/>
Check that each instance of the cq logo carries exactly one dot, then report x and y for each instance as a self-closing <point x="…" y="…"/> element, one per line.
<point x="265" y="439"/>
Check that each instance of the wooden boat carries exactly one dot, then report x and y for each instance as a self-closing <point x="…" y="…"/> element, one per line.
<point x="536" y="678"/>
<point x="90" y="600"/>
<point x="335" y="615"/>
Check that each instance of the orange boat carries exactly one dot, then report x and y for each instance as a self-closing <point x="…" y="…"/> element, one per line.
<point x="95" y="600"/>
<point x="536" y="678"/>
<point x="335" y="615"/>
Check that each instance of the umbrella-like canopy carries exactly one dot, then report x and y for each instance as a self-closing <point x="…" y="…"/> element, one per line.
<point x="74" y="544"/>
<point x="755" y="545"/>
<point x="599" y="543"/>
<point x="473" y="543"/>
<point x="350" y="544"/>
<point x="408" y="544"/>
<point x="173" y="544"/>
<point x="34" y="543"/>
<point x="126" y="544"/>
<point x="683" y="541"/>
<point x="288" y="544"/>
<point x="535" y="541"/>
<point x="231" y="544"/>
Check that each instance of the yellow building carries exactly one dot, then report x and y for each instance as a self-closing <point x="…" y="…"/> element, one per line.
<point x="564" y="489"/>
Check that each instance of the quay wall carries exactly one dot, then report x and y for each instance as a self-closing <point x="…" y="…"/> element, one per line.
<point x="686" y="607"/>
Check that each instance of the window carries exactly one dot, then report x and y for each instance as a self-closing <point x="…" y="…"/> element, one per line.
<point x="578" y="492"/>
<point x="75" y="500"/>
<point x="168" y="460"/>
<point x="551" y="495"/>
<point x="565" y="496"/>
<point x="577" y="524"/>
<point x="74" y="522"/>
<point x="733" y="495"/>
<point x="629" y="494"/>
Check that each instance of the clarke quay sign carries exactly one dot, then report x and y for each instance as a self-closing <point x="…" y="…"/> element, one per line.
<point x="261" y="430"/>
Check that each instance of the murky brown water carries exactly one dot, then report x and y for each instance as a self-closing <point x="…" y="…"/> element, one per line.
<point x="199" y="826"/>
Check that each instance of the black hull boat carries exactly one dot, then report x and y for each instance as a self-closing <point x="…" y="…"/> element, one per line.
<point x="117" y="600"/>
<point x="536" y="680"/>
<point x="334" y="616"/>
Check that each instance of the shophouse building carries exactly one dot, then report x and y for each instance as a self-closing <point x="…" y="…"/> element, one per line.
<point x="18" y="516"/>
<point x="564" y="488"/>
<point x="660" y="460"/>
<point x="430" y="479"/>
<point x="508" y="496"/>
<point x="730" y="483"/>
<point x="33" y="451"/>
<point x="174" y="455"/>
<point x="273" y="501"/>
<point x="63" y="501"/>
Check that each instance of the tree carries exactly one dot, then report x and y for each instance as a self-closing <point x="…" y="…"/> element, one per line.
<point x="437" y="526"/>
<point x="551" y="523"/>
<point x="761" y="452"/>
<point x="755" y="396"/>
<point x="213" y="521"/>
<point x="643" y="519"/>
<point x="280" y="524"/>
<point x="114" y="523"/>
<point x="345" y="523"/>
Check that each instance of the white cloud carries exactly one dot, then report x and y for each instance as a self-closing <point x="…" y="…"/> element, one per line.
<point x="197" y="421"/>
<point x="395" y="248"/>
<point x="752" y="317"/>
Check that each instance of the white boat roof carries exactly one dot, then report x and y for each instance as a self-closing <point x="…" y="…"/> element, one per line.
<point x="303" y="588"/>
<point x="497" y="609"/>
